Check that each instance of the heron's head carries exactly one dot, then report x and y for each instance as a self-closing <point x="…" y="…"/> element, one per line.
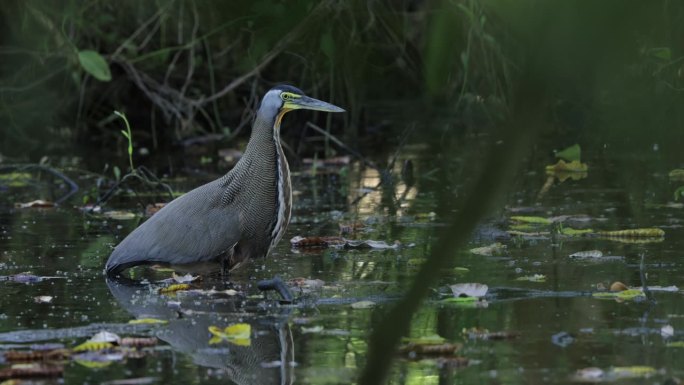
<point x="283" y="98"/>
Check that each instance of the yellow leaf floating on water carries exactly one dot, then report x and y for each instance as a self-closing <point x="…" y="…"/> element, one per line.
<point x="119" y="215"/>
<point x="531" y="219"/>
<point x="563" y="166"/>
<point x="92" y="346"/>
<point x="633" y="371"/>
<point x="652" y="232"/>
<point x="676" y="344"/>
<point x="624" y="295"/>
<point x="532" y="278"/>
<point x="238" y="334"/>
<point x="174" y="288"/>
<point x="570" y="232"/>
<point x="147" y="321"/>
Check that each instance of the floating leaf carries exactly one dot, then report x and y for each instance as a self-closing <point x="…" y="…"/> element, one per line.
<point x="363" y="305"/>
<point x="671" y="289"/>
<point x="90" y="346"/>
<point x="444" y="348"/>
<point x="624" y="295"/>
<point x="587" y="254"/>
<point x="531" y="219"/>
<point x="461" y="299"/>
<point x="572" y="153"/>
<point x="323" y="242"/>
<point x="238" y="334"/>
<point x="467" y="302"/>
<point x="634" y="233"/>
<point x="104" y="336"/>
<point x="306" y="283"/>
<point x="529" y="235"/>
<point x="567" y="167"/>
<point x="43" y="299"/>
<point x="147" y="321"/>
<point x="484" y="334"/>
<point x="675" y="344"/>
<point x="174" y="288"/>
<point x="119" y="215"/>
<point x="589" y="374"/>
<point x="39" y="203"/>
<point x="532" y="278"/>
<point x="313" y="329"/>
<point x="97" y="360"/>
<point x="476" y="290"/>
<point x="316" y="242"/>
<point x="31" y="371"/>
<point x="461" y="270"/>
<point x="570" y="232"/>
<point x="433" y="339"/>
<point x="633" y="371"/>
<point x="94" y="64"/>
<point x="138" y="341"/>
<point x="36" y="355"/>
<point x="493" y="249"/>
<point x="184" y="278"/>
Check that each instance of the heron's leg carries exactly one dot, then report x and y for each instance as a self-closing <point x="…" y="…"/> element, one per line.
<point x="277" y="284"/>
<point x="224" y="267"/>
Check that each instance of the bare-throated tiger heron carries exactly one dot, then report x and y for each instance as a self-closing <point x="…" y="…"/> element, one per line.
<point x="239" y="216"/>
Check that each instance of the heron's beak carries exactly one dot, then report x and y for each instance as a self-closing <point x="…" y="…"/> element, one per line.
<point x="307" y="103"/>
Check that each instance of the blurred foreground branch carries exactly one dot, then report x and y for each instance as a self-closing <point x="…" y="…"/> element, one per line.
<point x="500" y="167"/>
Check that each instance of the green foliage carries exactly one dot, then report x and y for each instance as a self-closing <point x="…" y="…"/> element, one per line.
<point x="94" y="64"/>
<point x="129" y="136"/>
<point x="572" y="153"/>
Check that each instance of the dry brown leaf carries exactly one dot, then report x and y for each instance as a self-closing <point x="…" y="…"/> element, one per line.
<point x="138" y="341"/>
<point x="618" y="286"/>
<point x="36" y="355"/>
<point x="152" y="209"/>
<point x="316" y="242"/>
<point x="32" y="371"/>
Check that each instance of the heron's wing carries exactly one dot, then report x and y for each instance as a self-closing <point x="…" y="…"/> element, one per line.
<point x="194" y="227"/>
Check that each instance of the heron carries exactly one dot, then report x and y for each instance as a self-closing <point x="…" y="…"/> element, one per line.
<point x="238" y="217"/>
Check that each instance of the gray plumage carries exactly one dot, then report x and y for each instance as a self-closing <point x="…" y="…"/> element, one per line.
<point x="239" y="216"/>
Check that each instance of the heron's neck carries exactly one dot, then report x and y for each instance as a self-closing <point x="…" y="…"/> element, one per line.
<point x="265" y="136"/>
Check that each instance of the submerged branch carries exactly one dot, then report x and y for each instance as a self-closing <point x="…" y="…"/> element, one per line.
<point x="73" y="187"/>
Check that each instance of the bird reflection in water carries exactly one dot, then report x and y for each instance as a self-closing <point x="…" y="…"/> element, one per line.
<point x="269" y="358"/>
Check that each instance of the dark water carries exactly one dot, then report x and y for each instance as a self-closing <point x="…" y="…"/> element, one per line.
<point x="556" y="326"/>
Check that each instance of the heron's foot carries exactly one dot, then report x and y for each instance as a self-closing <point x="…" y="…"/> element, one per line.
<point x="277" y="284"/>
